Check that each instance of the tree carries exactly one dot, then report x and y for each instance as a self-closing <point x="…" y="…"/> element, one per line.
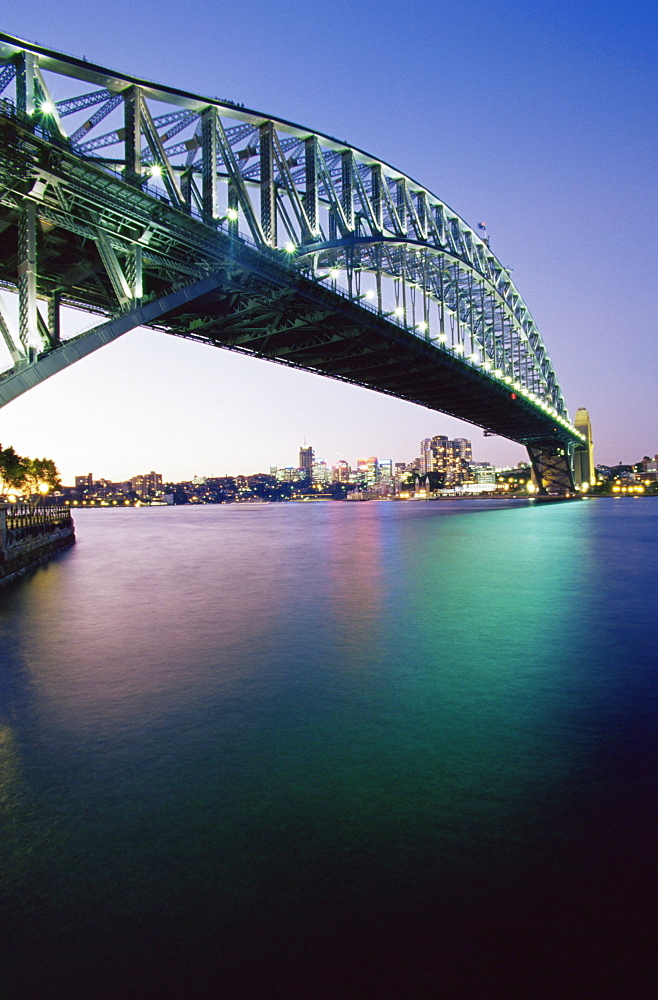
<point x="26" y="475"/>
<point x="12" y="472"/>
<point x="39" y="475"/>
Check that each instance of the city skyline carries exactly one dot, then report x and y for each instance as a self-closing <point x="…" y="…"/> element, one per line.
<point x="564" y="187"/>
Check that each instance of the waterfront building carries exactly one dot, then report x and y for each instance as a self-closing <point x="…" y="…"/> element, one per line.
<point x="648" y="467"/>
<point x="386" y="480"/>
<point x="483" y="474"/>
<point x="448" y="459"/>
<point x="147" y="484"/>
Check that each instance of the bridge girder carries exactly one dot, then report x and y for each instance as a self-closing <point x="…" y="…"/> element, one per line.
<point x="336" y="239"/>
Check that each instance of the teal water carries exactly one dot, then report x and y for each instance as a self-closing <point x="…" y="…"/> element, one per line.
<point x="333" y="750"/>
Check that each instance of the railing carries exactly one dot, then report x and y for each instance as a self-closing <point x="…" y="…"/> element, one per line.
<point x="20" y="515"/>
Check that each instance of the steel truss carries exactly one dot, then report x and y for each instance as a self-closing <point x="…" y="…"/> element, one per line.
<point x="150" y="180"/>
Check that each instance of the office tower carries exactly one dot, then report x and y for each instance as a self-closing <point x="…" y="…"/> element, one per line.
<point x="306" y="461"/>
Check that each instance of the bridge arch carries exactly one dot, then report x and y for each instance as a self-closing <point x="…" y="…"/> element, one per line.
<point x="313" y="248"/>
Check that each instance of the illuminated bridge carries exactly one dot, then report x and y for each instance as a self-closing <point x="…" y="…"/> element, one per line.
<point x="154" y="207"/>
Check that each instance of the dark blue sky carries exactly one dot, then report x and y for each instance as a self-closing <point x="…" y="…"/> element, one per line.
<point x="537" y="118"/>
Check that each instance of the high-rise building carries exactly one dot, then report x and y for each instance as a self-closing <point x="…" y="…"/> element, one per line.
<point x="448" y="459"/>
<point x="84" y="482"/>
<point x="320" y="472"/>
<point x="462" y="447"/>
<point x="372" y="470"/>
<point x="341" y="472"/>
<point x="306" y="461"/>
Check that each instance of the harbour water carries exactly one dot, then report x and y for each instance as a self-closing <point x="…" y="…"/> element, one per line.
<point x="333" y="751"/>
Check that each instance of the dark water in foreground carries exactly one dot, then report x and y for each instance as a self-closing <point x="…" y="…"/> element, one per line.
<point x="333" y="750"/>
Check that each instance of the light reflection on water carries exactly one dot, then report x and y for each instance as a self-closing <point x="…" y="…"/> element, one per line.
<point x="271" y="736"/>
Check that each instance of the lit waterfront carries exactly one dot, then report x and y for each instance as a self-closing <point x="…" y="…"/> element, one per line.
<point x="333" y="750"/>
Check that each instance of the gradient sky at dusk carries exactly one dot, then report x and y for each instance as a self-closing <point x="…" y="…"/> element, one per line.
<point x="537" y="118"/>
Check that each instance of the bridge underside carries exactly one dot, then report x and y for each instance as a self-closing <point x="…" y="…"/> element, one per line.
<point x="261" y="307"/>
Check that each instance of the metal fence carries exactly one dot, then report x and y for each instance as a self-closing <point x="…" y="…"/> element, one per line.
<point x="24" y="515"/>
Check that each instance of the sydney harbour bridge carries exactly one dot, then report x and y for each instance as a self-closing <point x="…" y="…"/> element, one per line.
<point x="150" y="206"/>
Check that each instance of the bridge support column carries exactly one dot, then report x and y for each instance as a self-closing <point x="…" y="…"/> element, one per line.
<point x="267" y="186"/>
<point x="26" y="83"/>
<point x="135" y="275"/>
<point x="310" y="198"/>
<point x="28" y="322"/>
<point x="132" y="104"/>
<point x="53" y="318"/>
<point x="347" y="188"/>
<point x="552" y="467"/>
<point x="209" y="164"/>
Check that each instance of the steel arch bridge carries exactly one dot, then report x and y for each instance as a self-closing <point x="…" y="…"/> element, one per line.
<point x="152" y="206"/>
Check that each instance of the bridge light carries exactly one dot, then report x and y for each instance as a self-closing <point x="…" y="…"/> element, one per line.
<point x="232" y="214"/>
<point x="370" y="294"/>
<point x="289" y="247"/>
<point x="487" y="366"/>
<point x="442" y="338"/>
<point x="422" y="326"/>
<point x="47" y="108"/>
<point x="398" y="311"/>
<point x="155" y="170"/>
<point x="475" y="358"/>
<point x="334" y="273"/>
<point x="459" y="348"/>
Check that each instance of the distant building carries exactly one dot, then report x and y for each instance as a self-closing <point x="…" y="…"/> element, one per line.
<point x="386" y="481"/>
<point x="320" y="472"/>
<point x="450" y="460"/>
<point x="483" y="474"/>
<point x="648" y="467"/>
<point x="341" y="472"/>
<point x="462" y="448"/>
<point x="372" y="470"/>
<point x="306" y="461"/>
<point x="147" y="485"/>
<point x="84" y="482"/>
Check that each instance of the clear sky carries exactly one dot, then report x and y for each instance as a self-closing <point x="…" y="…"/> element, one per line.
<point x="536" y="117"/>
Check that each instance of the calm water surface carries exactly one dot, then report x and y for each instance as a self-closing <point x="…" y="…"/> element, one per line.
<point x="334" y="751"/>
